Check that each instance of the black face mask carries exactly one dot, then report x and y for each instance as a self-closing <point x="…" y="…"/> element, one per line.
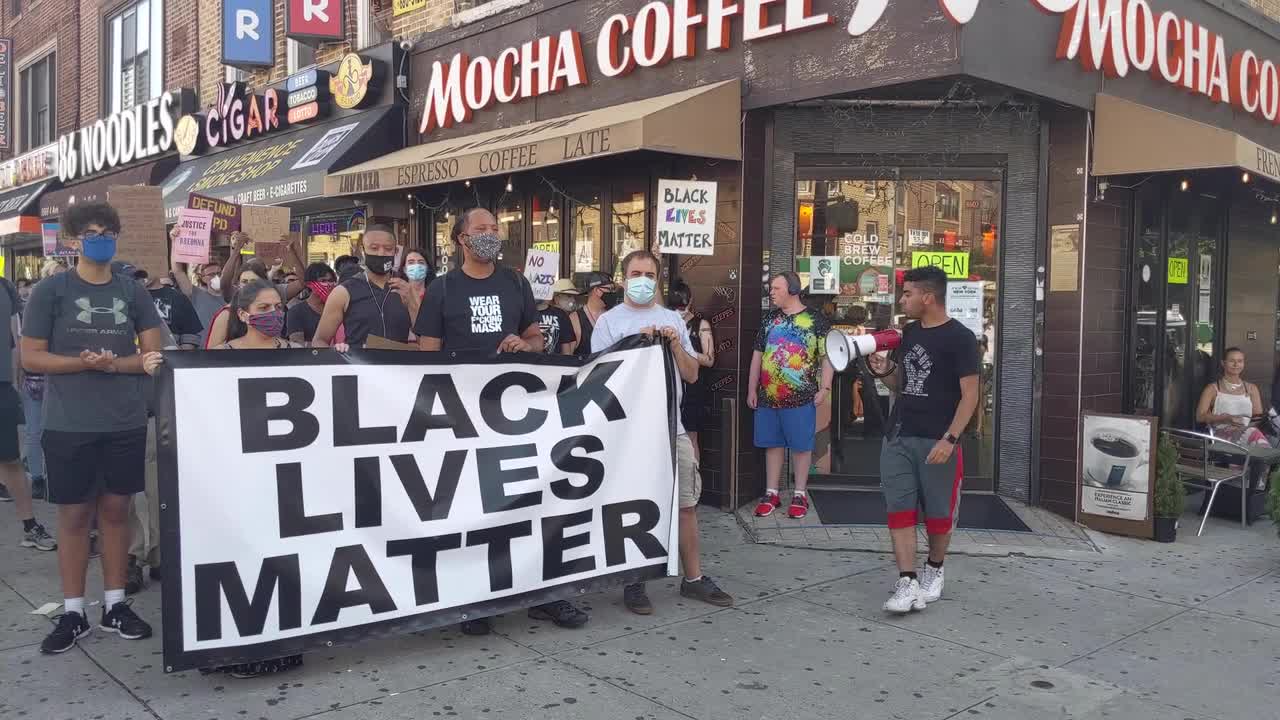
<point x="611" y="298"/>
<point x="379" y="264"/>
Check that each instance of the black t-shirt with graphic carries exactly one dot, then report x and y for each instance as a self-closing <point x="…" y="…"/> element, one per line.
<point x="933" y="360"/>
<point x="469" y="313"/>
<point x="178" y="313"/>
<point x="556" y="329"/>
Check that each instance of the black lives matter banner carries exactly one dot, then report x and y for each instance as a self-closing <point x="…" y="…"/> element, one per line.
<point x="311" y="499"/>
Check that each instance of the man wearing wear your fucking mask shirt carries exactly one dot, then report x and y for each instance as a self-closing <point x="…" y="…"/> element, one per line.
<point x="83" y="330"/>
<point x="641" y="314"/>
<point x="367" y="303"/>
<point x="483" y="307"/>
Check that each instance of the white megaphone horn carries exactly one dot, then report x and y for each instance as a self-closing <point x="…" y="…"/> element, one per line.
<point x="844" y="348"/>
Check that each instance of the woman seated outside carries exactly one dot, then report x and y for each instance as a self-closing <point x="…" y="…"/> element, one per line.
<point x="1229" y="406"/>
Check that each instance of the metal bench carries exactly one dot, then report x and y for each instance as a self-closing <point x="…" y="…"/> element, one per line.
<point x="1205" y="463"/>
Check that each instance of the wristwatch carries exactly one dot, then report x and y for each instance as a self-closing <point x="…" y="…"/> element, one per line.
<point x="951" y="438"/>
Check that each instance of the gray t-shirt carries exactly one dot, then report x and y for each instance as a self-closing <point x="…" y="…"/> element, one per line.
<point x="75" y="315"/>
<point x="625" y="320"/>
<point x="8" y="309"/>
<point x="207" y="304"/>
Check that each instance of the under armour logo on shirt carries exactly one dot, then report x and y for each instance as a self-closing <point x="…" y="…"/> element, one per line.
<point x="87" y="311"/>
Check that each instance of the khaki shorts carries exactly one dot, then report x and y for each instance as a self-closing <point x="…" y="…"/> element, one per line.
<point x="689" y="475"/>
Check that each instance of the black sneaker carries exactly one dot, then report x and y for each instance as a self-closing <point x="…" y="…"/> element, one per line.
<point x="39" y="538"/>
<point x="134" y="581"/>
<point x="636" y="599"/>
<point x="4" y="494"/>
<point x="561" y="612"/>
<point x="707" y="591"/>
<point x="123" y="621"/>
<point x="71" y="627"/>
<point x="479" y="626"/>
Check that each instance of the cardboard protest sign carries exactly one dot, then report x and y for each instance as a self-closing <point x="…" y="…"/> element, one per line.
<point x="143" y="238"/>
<point x="195" y="228"/>
<point x="226" y="214"/>
<point x="265" y="225"/>
<point x="295" y="521"/>
<point x="542" y="268"/>
<point x="686" y="219"/>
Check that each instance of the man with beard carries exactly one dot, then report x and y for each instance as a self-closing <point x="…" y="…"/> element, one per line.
<point x="367" y="304"/>
<point x="484" y="307"/>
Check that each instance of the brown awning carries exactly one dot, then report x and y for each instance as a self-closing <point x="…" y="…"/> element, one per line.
<point x="702" y="122"/>
<point x="1133" y="138"/>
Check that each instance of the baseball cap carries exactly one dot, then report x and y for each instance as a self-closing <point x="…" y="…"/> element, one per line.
<point x="565" y="286"/>
<point x="596" y="279"/>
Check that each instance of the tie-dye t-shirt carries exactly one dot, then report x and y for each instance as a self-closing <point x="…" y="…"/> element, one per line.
<point x="792" y="348"/>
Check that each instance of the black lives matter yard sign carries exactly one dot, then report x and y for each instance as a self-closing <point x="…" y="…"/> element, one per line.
<point x="310" y="499"/>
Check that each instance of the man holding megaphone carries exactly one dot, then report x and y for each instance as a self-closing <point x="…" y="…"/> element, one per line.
<point x="936" y="387"/>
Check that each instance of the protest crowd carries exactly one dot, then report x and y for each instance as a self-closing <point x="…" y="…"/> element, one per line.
<point x="91" y="342"/>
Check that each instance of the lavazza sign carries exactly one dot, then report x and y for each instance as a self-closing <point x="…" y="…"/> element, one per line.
<point x="138" y="133"/>
<point x="1112" y="36"/>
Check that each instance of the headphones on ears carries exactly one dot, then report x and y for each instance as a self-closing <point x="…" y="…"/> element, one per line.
<point x="793" y="282"/>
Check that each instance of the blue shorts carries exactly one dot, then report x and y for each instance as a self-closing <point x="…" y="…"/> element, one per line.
<point x="791" y="428"/>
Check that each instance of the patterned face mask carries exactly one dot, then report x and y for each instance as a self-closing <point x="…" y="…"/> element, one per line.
<point x="485" y="246"/>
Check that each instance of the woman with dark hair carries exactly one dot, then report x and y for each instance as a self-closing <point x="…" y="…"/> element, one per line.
<point x="415" y="274"/>
<point x="301" y="320"/>
<point x="693" y="405"/>
<point x="252" y="271"/>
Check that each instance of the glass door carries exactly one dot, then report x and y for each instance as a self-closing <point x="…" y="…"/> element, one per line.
<point x="855" y="238"/>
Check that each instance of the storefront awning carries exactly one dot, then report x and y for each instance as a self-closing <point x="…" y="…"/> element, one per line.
<point x="53" y="203"/>
<point x="701" y="122"/>
<point x="14" y="206"/>
<point x="287" y="167"/>
<point x="1132" y="138"/>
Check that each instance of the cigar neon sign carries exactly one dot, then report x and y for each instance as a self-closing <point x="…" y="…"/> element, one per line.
<point x="1115" y="37"/>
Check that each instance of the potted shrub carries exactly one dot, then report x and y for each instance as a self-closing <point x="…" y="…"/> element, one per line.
<point x="1170" y="496"/>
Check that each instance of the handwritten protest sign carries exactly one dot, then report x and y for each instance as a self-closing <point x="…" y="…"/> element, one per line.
<point x="195" y="227"/>
<point x="265" y="225"/>
<point x="541" y="268"/>
<point x="143" y="239"/>
<point x="686" y="217"/>
<point x="226" y="215"/>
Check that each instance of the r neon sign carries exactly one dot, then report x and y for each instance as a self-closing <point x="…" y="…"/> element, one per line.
<point x="1111" y="36"/>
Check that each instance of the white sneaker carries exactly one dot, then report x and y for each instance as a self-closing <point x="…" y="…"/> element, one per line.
<point x="906" y="597"/>
<point x="931" y="584"/>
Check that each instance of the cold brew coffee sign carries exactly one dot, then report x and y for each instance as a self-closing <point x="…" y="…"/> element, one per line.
<point x="139" y="133"/>
<point x="686" y="220"/>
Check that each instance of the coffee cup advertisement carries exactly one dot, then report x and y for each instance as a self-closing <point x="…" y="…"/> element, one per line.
<point x="1116" y="466"/>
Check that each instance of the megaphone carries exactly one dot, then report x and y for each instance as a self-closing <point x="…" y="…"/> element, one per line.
<point x="844" y="348"/>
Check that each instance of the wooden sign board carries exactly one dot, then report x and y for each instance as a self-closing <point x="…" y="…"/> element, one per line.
<point x="265" y="225"/>
<point x="1115" y="492"/>
<point x="143" y="239"/>
<point x="377" y="342"/>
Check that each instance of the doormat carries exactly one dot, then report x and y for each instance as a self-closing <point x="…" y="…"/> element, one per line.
<point x="860" y="507"/>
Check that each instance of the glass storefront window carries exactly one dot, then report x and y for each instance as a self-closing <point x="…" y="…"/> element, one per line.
<point x="854" y="240"/>
<point x="628" y="222"/>
<point x="544" y="216"/>
<point x="510" y="214"/>
<point x="588" y="240"/>
<point x="26" y="265"/>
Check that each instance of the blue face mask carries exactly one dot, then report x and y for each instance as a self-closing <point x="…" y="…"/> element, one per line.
<point x="98" y="248"/>
<point x="416" y="273"/>
<point x="640" y="290"/>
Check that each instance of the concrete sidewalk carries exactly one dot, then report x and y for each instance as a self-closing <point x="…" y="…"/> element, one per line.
<point x="1136" y="631"/>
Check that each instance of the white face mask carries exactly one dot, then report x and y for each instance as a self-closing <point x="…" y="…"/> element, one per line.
<point x="215" y="283"/>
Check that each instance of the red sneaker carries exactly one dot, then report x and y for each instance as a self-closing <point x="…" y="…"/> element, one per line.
<point x="768" y="504"/>
<point x="799" y="506"/>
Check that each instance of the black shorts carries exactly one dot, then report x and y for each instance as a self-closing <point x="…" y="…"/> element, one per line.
<point x="80" y="466"/>
<point x="10" y="419"/>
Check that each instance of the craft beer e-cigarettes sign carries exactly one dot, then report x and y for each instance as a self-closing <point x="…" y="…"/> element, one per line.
<point x="1112" y="36"/>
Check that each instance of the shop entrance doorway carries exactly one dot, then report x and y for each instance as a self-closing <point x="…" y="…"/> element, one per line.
<point x="856" y="234"/>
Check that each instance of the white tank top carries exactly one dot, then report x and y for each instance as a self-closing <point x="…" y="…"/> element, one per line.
<point x="1234" y="405"/>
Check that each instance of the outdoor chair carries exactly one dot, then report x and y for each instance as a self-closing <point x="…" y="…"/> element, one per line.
<point x="1205" y="463"/>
